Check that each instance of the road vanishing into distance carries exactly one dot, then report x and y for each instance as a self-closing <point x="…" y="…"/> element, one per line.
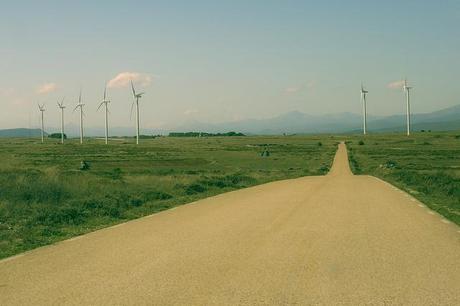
<point x="333" y="240"/>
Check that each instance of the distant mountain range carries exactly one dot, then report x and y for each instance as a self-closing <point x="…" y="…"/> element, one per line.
<point x="290" y="123"/>
<point x="21" y="132"/>
<point x="297" y="122"/>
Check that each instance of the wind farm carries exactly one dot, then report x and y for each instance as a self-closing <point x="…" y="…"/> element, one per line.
<point x="42" y="117"/>
<point x="105" y="102"/>
<point x="220" y="154"/>
<point x="364" y="101"/>
<point x="136" y="97"/>
<point x="62" y="108"/>
<point x="80" y="106"/>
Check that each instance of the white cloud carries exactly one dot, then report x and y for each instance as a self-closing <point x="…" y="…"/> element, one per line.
<point x="7" y="92"/>
<point x="123" y="79"/>
<point x="294" y="89"/>
<point x="46" y="88"/>
<point x="190" y="112"/>
<point x="396" y="84"/>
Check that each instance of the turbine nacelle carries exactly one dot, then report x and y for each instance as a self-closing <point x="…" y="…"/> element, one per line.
<point x="79" y="105"/>
<point x="406" y="87"/>
<point x="363" y="91"/>
<point x="136" y="95"/>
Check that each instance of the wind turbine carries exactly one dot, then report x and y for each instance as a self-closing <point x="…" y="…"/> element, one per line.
<point x="42" y="110"/>
<point x="80" y="105"/>
<point x="62" y="106"/>
<point x="407" y="90"/>
<point x="105" y="102"/>
<point x="363" y="98"/>
<point x="136" y="97"/>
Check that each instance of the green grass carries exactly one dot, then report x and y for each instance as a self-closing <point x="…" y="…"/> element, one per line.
<point x="427" y="165"/>
<point x="44" y="197"/>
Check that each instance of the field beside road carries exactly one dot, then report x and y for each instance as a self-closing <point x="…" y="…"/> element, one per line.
<point x="45" y="197"/>
<point x="338" y="239"/>
<point x="427" y="165"/>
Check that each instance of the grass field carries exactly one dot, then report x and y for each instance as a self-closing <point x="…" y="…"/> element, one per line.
<point x="427" y="165"/>
<point x="45" y="197"/>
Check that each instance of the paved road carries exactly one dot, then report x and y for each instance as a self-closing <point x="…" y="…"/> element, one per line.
<point x="333" y="240"/>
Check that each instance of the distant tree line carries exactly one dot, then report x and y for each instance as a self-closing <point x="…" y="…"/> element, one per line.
<point x="201" y="134"/>
<point x="57" y="135"/>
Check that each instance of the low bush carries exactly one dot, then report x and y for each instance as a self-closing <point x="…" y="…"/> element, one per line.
<point x="194" y="189"/>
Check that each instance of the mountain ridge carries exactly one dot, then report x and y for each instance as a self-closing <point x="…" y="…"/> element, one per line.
<point x="293" y="122"/>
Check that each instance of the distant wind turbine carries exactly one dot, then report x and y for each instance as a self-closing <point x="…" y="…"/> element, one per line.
<point x="105" y="102"/>
<point x="62" y="107"/>
<point x="408" y="118"/>
<point x="80" y="105"/>
<point x="42" y="110"/>
<point x="136" y="97"/>
<point x="363" y="98"/>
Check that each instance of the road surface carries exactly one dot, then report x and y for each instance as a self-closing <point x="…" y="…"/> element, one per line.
<point x="333" y="240"/>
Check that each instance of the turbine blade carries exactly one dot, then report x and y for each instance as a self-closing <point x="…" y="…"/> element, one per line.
<point x="131" y="112"/>
<point x="132" y="87"/>
<point x="100" y="105"/>
<point x="105" y="92"/>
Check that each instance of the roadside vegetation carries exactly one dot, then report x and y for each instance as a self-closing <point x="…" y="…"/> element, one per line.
<point x="427" y="165"/>
<point x="50" y="192"/>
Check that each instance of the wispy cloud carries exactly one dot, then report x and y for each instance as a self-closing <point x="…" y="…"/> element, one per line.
<point x="6" y="92"/>
<point x="190" y="112"/>
<point x="46" y="88"/>
<point x="123" y="79"/>
<point x="396" y="84"/>
<point x="297" y="88"/>
<point x="292" y="89"/>
<point x="13" y="97"/>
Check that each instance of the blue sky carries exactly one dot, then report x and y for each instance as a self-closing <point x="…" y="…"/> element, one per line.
<point x="217" y="61"/>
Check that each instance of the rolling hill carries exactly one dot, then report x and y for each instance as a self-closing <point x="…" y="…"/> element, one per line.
<point x="294" y="122"/>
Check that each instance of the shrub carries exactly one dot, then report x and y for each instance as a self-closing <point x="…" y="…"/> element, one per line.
<point x="361" y="143"/>
<point x="390" y="164"/>
<point x="57" y="135"/>
<point x="194" y="189"/>
<point x="324" y="169"/>
<point x="116" y="174"/>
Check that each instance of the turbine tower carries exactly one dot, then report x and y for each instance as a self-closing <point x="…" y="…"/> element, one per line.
<point x="363" y="98"/>
<point x="105" y="102"/>
<point x="42" y="110"/>
<point x="80" y="105"/>
<point x="136" y="97"/>
<point x="62" y="107"/>
<point x="408" y="119"/>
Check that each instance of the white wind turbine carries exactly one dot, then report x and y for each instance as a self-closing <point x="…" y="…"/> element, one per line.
<point x="363" y="99"/>
<point x="42" y="110"/>
<point x="136" y="97"/>
<point x="80" y="105"/>
<point x="62" y="107"/>
<point x="105" y="102"/>
<point x="408" y="118"/>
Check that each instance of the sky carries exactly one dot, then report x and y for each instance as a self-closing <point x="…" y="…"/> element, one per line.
<point x="218" y="61"/>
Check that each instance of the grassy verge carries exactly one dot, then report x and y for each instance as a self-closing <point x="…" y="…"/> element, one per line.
<point x="427" y="165"/>
<point x="45" y="197"/>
